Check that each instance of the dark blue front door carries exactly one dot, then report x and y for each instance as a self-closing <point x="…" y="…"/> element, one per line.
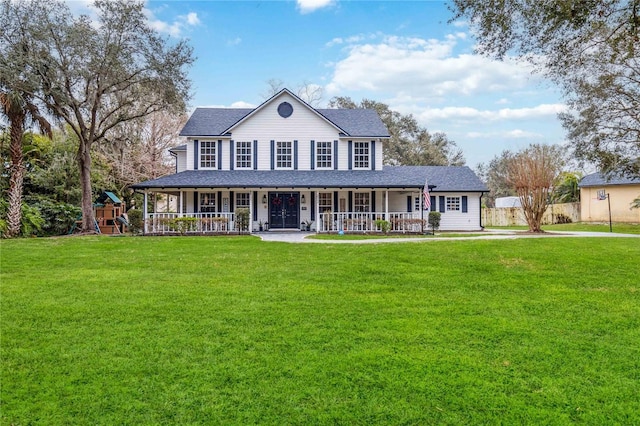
<point x="284" y="210"/>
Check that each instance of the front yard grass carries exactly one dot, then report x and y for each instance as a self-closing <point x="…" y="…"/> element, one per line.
<point x="620" y="228"/>
<point x="218" y="330"/>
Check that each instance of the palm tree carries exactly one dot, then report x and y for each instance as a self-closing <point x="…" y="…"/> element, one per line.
<point x="19" y="110"/>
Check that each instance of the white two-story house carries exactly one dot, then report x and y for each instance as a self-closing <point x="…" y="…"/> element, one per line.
<point x="295" y="167"/>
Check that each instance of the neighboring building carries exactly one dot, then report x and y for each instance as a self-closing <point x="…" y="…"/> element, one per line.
<point x="621" y="191"/>
<point x="508" y="202"/>
<point x="292" y="165"/>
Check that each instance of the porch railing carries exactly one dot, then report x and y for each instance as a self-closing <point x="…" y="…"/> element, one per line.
<point x="169" y="223"/>
<point x="366" y="222"/>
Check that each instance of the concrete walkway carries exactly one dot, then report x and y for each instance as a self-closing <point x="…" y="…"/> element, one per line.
<point x="300" y="237"/>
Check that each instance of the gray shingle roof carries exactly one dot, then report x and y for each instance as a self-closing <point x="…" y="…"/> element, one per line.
<point x="216" y="121"/>
<point x="446" y="179"/>
<point x="598" y="179"/>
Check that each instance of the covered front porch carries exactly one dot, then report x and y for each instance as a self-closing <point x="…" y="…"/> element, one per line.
<point x="325" y="210"/>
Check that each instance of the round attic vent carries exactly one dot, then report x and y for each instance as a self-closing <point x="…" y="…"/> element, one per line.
<point x="285" y="109"/>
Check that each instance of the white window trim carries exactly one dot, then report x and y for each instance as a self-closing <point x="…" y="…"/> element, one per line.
<point x="275" y="153"/>
<point x="446" y="203"/>
<point x="215" y="155"/>
<point x="355" y="167"/>
<point x="236" y="153"/>
<point x="317" y="156"/>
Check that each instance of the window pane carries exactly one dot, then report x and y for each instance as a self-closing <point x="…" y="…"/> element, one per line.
<point x="284" y="155"/>
<point x="453" y="203"/>
<point x="207" y="154"/>
<point x="242" y="200"/>
<point x="361" y="202"/>
<point x="207" y="202"/>
<point x="324" y="151"/>
<point x="243" y="155"/>
<point x="361" y="155"/>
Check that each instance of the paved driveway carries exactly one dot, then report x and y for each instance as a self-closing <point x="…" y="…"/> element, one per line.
<point x="300" y="237"/>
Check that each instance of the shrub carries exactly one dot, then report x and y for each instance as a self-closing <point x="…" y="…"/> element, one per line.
<point x="383" y="225"/>
<point x="563" y="218"/>
<point x="58" y="217"/>
<point x="434" y="220"/>
<point x="242" y="219"/>
<point x="136" y="223"/>
<point x="184" y="224"/>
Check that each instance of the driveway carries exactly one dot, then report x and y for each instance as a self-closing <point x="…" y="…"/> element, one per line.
<point x="300" y="237"/>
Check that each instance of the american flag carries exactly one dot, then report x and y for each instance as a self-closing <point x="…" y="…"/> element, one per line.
<point x="427" y="198"/>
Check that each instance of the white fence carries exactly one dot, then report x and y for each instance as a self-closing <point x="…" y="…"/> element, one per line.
<point x="514" y="216"/>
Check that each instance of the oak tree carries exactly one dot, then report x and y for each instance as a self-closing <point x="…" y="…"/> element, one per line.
<point x="98" y="75"/>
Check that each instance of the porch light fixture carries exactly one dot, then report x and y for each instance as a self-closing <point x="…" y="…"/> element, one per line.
<point x="303" y="200"/>
<point x="264" y="199"/>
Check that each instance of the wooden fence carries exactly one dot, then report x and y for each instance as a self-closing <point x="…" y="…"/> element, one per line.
<point x="514" y="216"/>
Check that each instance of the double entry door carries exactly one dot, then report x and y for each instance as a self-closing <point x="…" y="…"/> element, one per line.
<point x="284" y="210"/>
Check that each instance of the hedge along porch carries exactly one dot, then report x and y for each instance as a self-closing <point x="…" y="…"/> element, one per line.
<point x="294" y="165"/>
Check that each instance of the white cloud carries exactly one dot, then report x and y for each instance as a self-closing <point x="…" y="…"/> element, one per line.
<point x="234" y="42"/>
<point x="509" y="134"/>
<point x="192" y="19"/>
<point x="425" y="68"/>
<point x="308" y="6"/>
<point x="473" y="114"/>
<point x="174" y="28"/>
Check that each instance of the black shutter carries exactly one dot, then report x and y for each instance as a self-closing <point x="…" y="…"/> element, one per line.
<point x="219" y="155"/>
<point x="231" y="156"/>
<point x="231" y="201"/>
<point x="409" y="206"/>
<point x="335" y="155"/>
<point x="313" y="205"/>
<point x="373" y="155"/>
<point x="335" y="201"/>
<point x="255" y="156"/>
<point x="464" y="204"/>
<point x="313" y="155"/>
<point x="441" y="202"/>
<point x="219" y="202"/>
<point x="295" y="155"/>
<point x="350" y="154"/>
<point x="255" y="205"/>
<point x="373" y="201"/>
<point x="196" y="148"/>
<point x="434" y="206"/>
<point x="273" y="158"/>
<point x="350" y="206"/>
<point x="196" y="202"/>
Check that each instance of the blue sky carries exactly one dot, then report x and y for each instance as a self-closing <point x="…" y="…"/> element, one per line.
<point x="402" y="53"/>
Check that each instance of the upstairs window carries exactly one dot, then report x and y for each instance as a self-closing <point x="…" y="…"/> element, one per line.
<point x="207" y="154"/>
<point x="361" y="202"/>
<point x="361" y="155"/>
<point x="243" y="155"/>
<point x="324" y="155"/>
<point x="284" y="155"/>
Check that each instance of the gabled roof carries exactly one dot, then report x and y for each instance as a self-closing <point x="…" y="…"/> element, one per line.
<point x="598" y="179"/>
<point x="220" y="121"/>
<point x="445" y="179"/>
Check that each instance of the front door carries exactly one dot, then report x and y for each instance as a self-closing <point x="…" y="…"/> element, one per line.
<point x="284" y="210"/>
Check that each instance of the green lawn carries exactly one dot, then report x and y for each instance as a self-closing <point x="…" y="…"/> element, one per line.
<point x="620" y="228"/>
<point x="216" y="330"/>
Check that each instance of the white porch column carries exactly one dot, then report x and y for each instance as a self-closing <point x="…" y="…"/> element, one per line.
<point x="180" y="204"/>
<point x="386" y="204"/>
<point x="144" y="212"/>
<point x="316" y="197"/>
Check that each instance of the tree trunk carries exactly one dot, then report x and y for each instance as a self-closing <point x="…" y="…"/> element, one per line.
<point x="14" y="212"/>
<point x="84" y="165"/>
